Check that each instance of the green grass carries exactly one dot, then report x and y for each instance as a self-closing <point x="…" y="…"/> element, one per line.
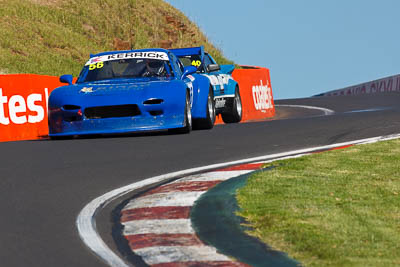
<point x="55" y="37"/>
<point x="338" y="208"/>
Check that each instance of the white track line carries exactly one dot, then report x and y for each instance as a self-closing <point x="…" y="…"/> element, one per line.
<point x="86" y="222"/>
<point x="325" y="110"/>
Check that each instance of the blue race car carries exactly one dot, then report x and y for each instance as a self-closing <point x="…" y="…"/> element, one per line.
<point x="129" y="91"/>
<point x="226" y="90"/>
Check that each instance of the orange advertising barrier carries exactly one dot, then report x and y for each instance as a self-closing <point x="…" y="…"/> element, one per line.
<point x="255" y="92"/>
<point x="23" y="105"/>
<point x="24" y="101"/>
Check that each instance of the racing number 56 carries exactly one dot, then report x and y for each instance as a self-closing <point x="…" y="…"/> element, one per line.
<point x="98" y="65"/>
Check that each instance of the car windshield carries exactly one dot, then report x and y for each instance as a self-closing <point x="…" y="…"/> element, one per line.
<point x="126" y="65"/>
<point x="192" y="60"/>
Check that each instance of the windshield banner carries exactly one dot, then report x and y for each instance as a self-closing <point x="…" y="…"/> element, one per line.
<point x="133" y="55"/>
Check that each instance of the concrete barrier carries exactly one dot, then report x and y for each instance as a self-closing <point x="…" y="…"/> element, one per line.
<point x="384" y="85"/>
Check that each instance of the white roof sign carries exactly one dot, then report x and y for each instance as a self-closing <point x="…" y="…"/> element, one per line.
<point x="129" y="55"/>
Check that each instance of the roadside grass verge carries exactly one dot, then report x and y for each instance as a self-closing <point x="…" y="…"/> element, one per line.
<point x="55" y="37"/>
<point x="337" y="208"/>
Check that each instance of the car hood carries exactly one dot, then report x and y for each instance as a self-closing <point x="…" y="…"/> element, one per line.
<point x="119" y="87"/>
<point x="118" y="93"/>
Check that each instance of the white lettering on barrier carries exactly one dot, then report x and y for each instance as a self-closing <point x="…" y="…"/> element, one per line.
<point x="262" y="96"/>
<point x="17" y="108"/>
<point x="35" y="108"/>
<point x="17" y="105"/>
<point x="3" y="100"/>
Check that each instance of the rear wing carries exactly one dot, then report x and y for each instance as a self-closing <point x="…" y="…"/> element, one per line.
<point x="180" y="52"/>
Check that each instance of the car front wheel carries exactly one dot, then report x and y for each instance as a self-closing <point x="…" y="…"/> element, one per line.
<point x="209" y="121"/>
<point x="187" y="119"/>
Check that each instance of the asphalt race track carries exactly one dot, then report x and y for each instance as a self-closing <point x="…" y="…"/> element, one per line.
<point x="45" y="184"/>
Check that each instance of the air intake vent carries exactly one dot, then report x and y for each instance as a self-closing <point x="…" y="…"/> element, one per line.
<point x="112" y="111"/>
<point x="71" y="107"/>
<point x="153" y="101"/>
<point x="156" y="112"/>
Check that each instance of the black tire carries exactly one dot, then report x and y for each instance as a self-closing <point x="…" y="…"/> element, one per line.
<point x="188" y="119"/>
<point x="209" y="121"/>
<point x="234" y="112"/>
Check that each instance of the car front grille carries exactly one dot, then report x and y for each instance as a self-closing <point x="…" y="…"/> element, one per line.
<point x="112" y="111"/>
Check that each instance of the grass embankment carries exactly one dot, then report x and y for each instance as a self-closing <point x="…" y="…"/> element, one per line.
<point x="55" y="37"/>
<point x="338" y="208"/>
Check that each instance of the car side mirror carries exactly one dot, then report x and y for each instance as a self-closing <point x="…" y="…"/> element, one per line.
<point x="188" y="70"/>
<point x="213" y="67"/>
<point x="67" y="78"/>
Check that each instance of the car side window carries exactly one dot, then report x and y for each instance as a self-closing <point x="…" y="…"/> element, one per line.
<point x="181" y="66"/>
<point x="177" y="65"/>
<point x="207" y="61"/>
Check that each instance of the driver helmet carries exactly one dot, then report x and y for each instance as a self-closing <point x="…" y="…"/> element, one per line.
<point x="155" y="66"/>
